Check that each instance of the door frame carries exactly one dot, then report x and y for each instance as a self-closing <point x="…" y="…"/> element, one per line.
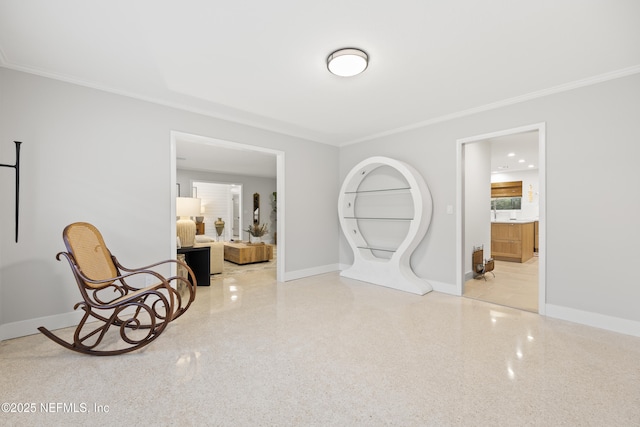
<point x="280" y="188"/>
<point x="460" y="232"/>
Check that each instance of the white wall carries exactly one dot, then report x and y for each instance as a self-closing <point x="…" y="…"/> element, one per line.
<point x="104" y="158"/>
<point x="90" y="155"/>
<point x="477" y="196"/>
<point x="592" y="147"/>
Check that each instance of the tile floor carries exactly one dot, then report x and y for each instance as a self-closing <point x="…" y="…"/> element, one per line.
<point x="329" y="351"/>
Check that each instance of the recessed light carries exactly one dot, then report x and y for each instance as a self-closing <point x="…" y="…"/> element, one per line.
<point x="532" y="166"/>
<point x="511" y="154"/>
<point x="521" y="161"/>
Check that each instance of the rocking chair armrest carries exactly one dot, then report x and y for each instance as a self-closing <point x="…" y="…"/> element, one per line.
<point x="132" y="292"/>
<point x="148" y="267"/>
<point x="162" y="280"/>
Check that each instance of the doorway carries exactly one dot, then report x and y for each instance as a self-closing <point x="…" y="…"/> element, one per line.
<point x="232" y="154"/>
<point x="221" y="201"/>
<point x="474" y="220"/>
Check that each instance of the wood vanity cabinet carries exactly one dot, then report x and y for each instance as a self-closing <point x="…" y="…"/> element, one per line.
<point x="506" y="189"/>
<point x="512" y="241"/>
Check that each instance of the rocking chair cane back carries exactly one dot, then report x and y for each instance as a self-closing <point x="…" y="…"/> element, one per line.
<point x="139" y="315"/>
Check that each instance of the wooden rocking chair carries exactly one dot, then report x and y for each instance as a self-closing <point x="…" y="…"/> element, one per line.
<point x="138" y="314"/>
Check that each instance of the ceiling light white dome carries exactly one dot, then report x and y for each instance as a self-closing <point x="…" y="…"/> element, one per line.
<point x="347" y="62"/>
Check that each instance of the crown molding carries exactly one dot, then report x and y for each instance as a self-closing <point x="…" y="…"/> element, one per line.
<point x="312" y="137"/>
<point x="283" y="129"/>
<point x="506" y="102"/>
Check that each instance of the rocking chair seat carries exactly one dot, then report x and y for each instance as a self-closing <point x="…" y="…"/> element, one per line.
<point x="110" y="299"/>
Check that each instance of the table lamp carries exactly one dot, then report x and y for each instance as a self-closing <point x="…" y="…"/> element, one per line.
<point x="186" y="207"/>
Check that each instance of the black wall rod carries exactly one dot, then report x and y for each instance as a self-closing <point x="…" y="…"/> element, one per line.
<point x="17" y="169"/>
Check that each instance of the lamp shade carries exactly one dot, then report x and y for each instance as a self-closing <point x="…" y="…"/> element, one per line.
<point x="187" y="206"/>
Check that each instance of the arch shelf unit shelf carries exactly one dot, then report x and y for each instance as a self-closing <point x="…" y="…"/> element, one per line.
<point x="385" y="211"/>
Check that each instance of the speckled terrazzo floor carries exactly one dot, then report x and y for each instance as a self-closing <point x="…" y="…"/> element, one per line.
<point x="329" y="351"/>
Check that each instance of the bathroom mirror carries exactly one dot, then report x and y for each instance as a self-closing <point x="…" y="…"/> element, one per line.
<point x="256" y="208"/>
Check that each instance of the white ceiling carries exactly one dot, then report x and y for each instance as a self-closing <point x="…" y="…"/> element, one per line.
<point x="516" y="152"/>
<point x="262" y="63"/>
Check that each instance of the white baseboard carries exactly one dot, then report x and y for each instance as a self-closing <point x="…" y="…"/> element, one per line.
<point x="610" y="323"/>
<point x="445" y="288"/>
<point x="343" y="266"/>
<point x="300" y="274"/>
<point x="30" y="326"/>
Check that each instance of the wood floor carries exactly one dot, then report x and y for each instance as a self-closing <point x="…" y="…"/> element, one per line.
<point x="515" y="285"/>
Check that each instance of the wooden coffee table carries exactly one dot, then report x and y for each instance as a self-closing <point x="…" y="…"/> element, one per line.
<point x="243" y="253"/>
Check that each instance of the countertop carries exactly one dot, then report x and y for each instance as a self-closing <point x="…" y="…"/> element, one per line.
<point x="513" y="221"/>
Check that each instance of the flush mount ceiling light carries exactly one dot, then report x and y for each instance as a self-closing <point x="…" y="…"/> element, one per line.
<point x="347" y="62"/>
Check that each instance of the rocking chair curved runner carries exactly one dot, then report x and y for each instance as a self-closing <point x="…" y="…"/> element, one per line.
<point x="139" y="314"/>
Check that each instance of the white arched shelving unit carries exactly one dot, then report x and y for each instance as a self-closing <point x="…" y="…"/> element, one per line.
<point x="385" y="210"/>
